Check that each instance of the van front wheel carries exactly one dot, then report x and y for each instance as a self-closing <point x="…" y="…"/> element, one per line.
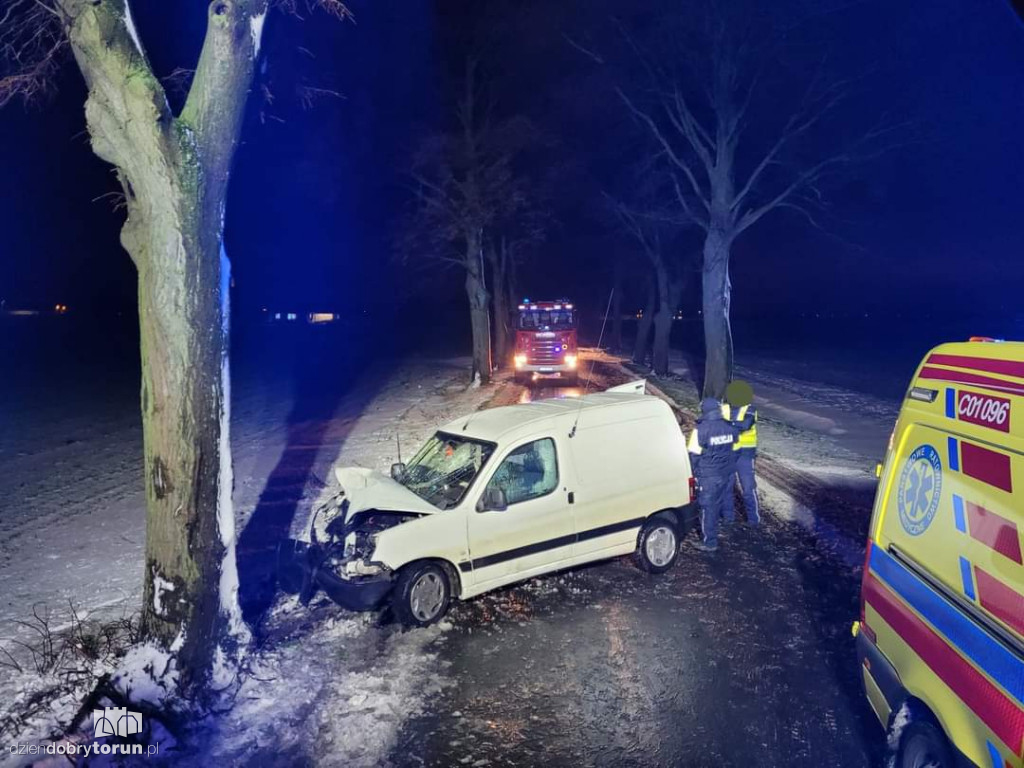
<point x="422" y="595"/>
<point x="657" y="546"/>
<point x="922" y="745"/>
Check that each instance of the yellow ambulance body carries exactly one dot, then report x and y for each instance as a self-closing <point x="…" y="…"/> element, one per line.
<point x="940" y="639"/>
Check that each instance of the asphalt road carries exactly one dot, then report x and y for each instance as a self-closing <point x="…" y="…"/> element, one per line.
<point x="742" y="657"/>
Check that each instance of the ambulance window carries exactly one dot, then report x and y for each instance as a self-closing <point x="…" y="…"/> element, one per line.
<point x="529" y="472"/>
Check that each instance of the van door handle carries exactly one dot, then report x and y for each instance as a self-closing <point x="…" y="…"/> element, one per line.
<point x="572" y="497"/>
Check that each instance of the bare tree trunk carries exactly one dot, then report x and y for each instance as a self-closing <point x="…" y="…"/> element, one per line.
<point x="643" y="326"/>
<point x="174" y="172"/>
<point x="669" y="293"/>
<point x="498" y="258"/>
<point x="185" y="396"/>
<point x="717" y="294"/>
<point x="616" y="338"/>
<point x="479" y="311"/>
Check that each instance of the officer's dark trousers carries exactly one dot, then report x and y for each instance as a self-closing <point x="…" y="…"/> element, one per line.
<point x="748" y="488"/>
<point x="710" y="497"/>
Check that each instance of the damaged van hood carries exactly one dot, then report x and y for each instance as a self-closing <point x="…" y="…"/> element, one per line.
<point x="369" y="489"/>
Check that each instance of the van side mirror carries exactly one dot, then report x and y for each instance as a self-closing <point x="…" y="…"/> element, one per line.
<point x="493" y="500"/>
<point x="398" y="471"/>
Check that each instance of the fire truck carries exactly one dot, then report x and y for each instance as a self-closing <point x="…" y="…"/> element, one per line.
<point x="546" y="345"/>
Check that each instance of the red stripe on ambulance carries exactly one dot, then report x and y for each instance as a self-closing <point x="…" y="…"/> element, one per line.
<point x="998" y="599"/>
<point x="991" y="467"/>
<point x="1002" y="367"/>
<point x="997" y="710"/>
<point x="962" y="377"/>
<point x="995" y="531"/>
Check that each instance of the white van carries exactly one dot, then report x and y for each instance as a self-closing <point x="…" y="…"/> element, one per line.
<point x="502" y="495"/>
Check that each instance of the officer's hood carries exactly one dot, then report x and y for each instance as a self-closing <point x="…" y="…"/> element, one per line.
<point x="710" y="407"/>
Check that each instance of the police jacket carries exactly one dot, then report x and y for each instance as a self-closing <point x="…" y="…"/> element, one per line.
<point x="744" y="419"/>
<point x="712" y="444"/>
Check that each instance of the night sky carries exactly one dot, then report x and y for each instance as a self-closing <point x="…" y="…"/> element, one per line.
<point x="317" y="192"/>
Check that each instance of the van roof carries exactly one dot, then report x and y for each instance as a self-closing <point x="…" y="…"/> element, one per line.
<point x="494" y="424"/>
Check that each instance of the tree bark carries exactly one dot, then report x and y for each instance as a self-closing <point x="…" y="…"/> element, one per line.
<point x="717" y="295"/>
<point x="643" y="326"/>
<point x="174" y="172"/>
<point x="479" y="311"/>
<point x="669" y="293"/>
<point x="498" y="258"/>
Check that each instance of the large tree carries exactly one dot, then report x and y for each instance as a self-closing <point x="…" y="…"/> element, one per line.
<point x="709" y="99"/>
<point x="466" y="190"/>
<point x="173" y="168"/>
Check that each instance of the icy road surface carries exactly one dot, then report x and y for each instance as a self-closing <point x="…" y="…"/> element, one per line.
<point x="740" y="658"/>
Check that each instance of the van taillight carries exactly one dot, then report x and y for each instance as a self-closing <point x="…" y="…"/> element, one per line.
<point x="693" y="489"/>
<point x="863" y="581"/>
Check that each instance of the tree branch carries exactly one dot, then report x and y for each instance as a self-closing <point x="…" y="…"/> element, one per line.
<point x="216" y="101"/>
<point x="806" y="116"/>
<point x="803" y="180"/>
<point x="678" y="161"/>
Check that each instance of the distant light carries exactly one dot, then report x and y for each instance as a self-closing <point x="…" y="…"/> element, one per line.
<point x="558" y="306"/>
<point x="522" y="306"/>
<point x="568" y="306"/>
<point x="321" y="317"/>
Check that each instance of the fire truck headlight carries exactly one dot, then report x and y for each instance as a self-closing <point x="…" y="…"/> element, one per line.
<point x="520" y="360"/>
<point x="570" y="360"/>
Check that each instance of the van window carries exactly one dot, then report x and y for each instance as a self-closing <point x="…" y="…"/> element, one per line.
<point x="529" y="472"/>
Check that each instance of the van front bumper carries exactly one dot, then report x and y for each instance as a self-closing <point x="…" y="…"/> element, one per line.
<point x="308" y="568"/>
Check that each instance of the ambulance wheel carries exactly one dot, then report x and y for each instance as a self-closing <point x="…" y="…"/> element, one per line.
<point x="422" y="594"/>
<point x="657" y="545"/>
<point x="923" y="745"/>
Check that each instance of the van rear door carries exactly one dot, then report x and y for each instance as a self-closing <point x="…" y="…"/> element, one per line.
<point x="625" y="471"/>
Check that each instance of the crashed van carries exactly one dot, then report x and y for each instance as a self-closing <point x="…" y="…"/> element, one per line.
<point x="503" y="495"/>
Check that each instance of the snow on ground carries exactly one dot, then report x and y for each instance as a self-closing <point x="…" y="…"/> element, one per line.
<point x="77" y="486"/>
<point x="820" y="429"/>
<point x="831" y="434"/>
<point x="328" y="687"/>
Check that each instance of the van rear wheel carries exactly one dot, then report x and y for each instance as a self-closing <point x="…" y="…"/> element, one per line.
<point x="657" y="545"/>
<point x="422" y="595"/>
<point x="923" y="745"/>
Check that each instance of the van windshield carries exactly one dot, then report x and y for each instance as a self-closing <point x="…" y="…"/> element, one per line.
<point x="444" y="468"/>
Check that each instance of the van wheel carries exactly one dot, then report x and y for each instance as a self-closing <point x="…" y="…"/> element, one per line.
<point x="657" y="546"/>
<point x="422" y="595"/>
<point x="923" y="745"/>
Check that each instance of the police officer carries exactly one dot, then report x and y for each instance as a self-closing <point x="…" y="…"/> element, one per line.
<point x="713" y="459"/>
<point x="739" y="409"/>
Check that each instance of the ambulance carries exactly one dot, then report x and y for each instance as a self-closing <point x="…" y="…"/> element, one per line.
<point x="940" y="640"/>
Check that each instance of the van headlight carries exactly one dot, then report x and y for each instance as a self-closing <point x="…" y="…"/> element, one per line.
<point x="362" y="568"/>
<point x="570" y="360"/>
<point x="520" y="360"/>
